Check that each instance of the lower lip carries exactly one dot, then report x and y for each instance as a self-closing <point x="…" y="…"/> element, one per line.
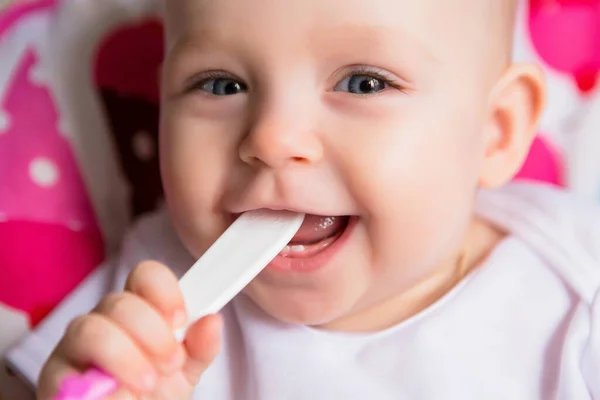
<point x="316" y="261"/>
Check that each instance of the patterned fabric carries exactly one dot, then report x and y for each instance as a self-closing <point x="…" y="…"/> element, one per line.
<point x="49" y="237"/>
<point x="51" y="234"/>
<point x="130" y="92"/>
<point x="45" y="203"/>
<point x="564" y="37"/>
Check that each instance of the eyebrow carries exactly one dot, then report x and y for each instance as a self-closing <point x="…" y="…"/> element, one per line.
<point x="371" y="39"/>
<point x="362" y="35"/>
<point x="192" y="44"/>
<point x="368" y="42"/>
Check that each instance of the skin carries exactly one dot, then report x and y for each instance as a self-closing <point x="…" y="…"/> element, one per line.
<point x="455" y="115"/>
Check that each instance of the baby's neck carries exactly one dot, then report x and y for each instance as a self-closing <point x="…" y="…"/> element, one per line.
<point x="481" y="239"/>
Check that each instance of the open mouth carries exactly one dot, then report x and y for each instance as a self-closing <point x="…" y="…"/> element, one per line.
<point x="315" y="244"/>
<point x="316" y="234"/>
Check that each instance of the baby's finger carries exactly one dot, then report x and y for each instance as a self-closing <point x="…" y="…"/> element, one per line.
<point x="53" y="374"/>
<point x="93" y="340"/>
<point x="146" y="327"/>
<point x="202" y="342"/>
<point x="157" y="284"/>
<point x="121" y="394"/>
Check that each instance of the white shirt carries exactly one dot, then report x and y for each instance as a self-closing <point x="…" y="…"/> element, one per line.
<point x="525" y="325"/>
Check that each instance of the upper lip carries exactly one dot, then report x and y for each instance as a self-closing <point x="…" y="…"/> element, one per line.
<point x="279" y="196"/>
<point x="241" y="210"/>
<point x="253" y="200"/>
<point x="237" y="212"/>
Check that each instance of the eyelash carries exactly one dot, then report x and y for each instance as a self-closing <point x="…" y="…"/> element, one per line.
<point x="373" y="72"/>
<point x="197" y="81"/>
<point x="390" y="80"/>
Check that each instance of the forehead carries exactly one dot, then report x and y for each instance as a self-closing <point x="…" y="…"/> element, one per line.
<point x="429" y="25"/>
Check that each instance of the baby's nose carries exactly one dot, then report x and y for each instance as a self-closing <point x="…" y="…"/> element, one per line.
<point x="277" y="141"/>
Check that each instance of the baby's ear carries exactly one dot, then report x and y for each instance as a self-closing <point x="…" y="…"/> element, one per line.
<point x="515" y="105"/>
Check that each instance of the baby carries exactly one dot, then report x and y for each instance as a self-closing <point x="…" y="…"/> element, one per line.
<point x="396" y="126"/>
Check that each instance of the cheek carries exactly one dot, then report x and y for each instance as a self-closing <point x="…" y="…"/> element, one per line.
<point x="190" y="162"/>
<point x="197" y="154"/>
<point x="415" y="181"/>
<point x="195" y="161"/>
<point x="402" y="157"/>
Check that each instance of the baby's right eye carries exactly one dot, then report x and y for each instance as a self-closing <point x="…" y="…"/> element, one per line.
<point x="219" y="86"/>
<point x="223" y="86"/>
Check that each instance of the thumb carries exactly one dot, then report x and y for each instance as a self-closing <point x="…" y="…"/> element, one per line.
<point x="202" y="343"/>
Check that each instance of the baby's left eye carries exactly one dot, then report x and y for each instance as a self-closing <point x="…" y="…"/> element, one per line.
<point x="222" y="86"/>
<point x="361" y="84"/>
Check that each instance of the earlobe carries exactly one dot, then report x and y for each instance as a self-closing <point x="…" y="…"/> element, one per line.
<point x="515" y="106"/>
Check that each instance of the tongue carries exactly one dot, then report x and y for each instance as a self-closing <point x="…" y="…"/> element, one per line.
<point x="316" y="228"/>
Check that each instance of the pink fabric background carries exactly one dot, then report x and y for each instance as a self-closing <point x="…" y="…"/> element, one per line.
<point x="49" y="237"/>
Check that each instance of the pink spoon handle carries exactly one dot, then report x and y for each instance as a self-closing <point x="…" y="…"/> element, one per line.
<point x="92" y="385"/>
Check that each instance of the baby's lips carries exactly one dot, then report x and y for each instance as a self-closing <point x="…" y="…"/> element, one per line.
<point x="315" y="228"/>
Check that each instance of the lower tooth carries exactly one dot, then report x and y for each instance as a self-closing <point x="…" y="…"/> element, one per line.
<point x="294" y="249"/>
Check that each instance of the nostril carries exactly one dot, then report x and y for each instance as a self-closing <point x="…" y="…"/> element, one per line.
<point x="299" y="160"/>
<point x="251" y="160"/>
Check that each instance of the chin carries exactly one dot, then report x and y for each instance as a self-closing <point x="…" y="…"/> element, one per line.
<point x="305" y="316"/>
<point x="304" y="308"/>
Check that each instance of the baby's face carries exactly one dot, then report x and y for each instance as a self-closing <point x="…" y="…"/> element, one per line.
<point x="370" y="111"/>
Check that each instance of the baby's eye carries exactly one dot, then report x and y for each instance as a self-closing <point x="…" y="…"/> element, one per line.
<point x="361" y="84"/>
<point x="222" y="86"/>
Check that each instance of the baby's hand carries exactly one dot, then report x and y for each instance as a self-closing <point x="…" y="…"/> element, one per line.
<point x="130" y="336"/>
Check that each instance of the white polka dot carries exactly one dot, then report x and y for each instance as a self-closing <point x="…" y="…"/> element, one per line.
<point x="144" y="147"/>
<point x="43" y="172"/>
<point x="4" y="122"/>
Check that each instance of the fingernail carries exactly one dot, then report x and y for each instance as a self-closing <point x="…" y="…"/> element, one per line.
<point x="179" y="319"/>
